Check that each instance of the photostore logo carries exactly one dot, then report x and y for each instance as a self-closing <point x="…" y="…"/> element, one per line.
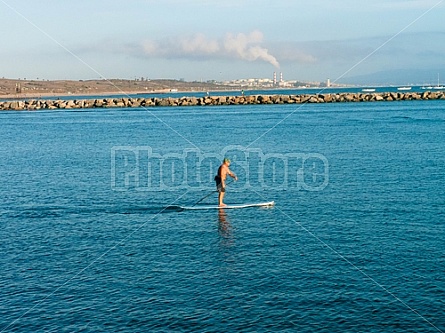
<point x="140" y="168"/>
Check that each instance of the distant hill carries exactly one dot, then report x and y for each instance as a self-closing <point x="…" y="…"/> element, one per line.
<point x="39" y="88"/>
<point x="397" y="78"/>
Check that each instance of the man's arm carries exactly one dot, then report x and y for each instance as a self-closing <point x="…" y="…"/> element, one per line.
<point x="231" y="174"/>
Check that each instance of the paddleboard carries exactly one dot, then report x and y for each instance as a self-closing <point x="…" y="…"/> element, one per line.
<point x="230" y="206"/>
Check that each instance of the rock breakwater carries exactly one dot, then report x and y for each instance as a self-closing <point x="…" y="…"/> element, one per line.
<point x="133" y="102"/>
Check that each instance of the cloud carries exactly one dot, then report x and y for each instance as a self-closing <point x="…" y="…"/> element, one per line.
<point x="247" y="47"/>
<point x="199" y="44"/>
<point x="196" y="46"/>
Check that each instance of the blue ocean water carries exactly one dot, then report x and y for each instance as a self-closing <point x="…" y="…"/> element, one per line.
<point x="355" y="242"/>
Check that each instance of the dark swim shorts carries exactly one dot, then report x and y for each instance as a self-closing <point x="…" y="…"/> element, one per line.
<point x="219" y="186"/>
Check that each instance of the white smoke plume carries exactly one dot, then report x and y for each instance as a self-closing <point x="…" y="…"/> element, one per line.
<point x="240" y="46"/>
<point x="246" y="47"/>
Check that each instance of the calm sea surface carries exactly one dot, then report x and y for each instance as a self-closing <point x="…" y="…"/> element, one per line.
<point x="355" y="243"/>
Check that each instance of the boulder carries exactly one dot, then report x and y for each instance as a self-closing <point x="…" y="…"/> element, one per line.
<point x="378" y="97"/>
<point x="263" y="99"/>
<point x="326" y="98"/>
<point x="222" y="100"/>
<point x="313" y="99"/>
<point x="193" y="101"/>
<point x="349" y="97"/>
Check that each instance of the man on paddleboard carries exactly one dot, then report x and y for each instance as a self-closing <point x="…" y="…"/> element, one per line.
<point x="220" y="180"/>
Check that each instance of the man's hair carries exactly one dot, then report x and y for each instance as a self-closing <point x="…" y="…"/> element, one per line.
<point x="226" y="159"/>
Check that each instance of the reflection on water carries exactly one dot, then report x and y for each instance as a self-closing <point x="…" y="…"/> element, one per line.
<point x="225" y="230"/>
<point x="224" y="227"/>
<point x="226" y="246"/>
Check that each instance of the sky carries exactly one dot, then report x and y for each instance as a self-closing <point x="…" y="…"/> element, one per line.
<point x="219" y="40"/>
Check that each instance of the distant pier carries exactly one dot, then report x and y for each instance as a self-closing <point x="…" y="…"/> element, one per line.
<point x="135" y="102"/>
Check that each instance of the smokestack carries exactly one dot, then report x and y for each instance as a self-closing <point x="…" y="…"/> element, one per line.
<point x="281" y="77"/>
<point x="274" y="78"/>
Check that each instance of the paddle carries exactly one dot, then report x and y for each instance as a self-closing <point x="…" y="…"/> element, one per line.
<point x="229" y="182"/>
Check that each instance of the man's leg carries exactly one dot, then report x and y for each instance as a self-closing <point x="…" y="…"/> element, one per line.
<point x="220" y="198"/>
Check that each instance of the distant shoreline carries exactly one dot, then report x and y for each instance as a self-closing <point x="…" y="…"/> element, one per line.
<point x="20" y="89"/>
<point x="102" y="93"/>
<point x="23" y="89"/>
